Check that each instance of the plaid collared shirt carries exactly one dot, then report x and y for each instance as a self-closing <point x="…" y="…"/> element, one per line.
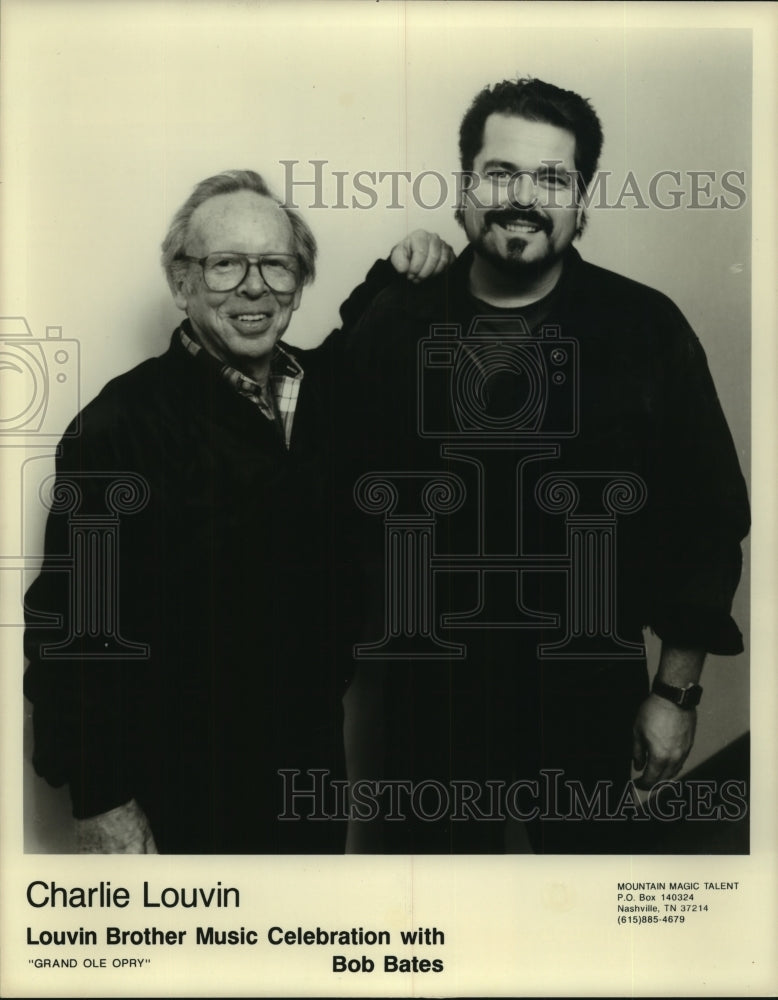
<point x="278" y="399"/>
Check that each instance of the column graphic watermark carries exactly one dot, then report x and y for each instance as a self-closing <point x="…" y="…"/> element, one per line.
<point x="502" y="401"/>
<point x="39" y="414"/>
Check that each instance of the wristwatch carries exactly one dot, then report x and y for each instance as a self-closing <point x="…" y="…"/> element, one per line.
<point x="686" y="698"/>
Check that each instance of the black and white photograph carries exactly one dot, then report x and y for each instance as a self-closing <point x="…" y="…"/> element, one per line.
<point x="387" y="531"/>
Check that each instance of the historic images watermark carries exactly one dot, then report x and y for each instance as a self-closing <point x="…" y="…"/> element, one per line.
<point x="548" y="795"/>
<point x="40" y="377"/>
<point x="40" y="398"/>
<point x="93" y="505"/>
<point x="312" y="185"/>
<point x="503" y="446"/>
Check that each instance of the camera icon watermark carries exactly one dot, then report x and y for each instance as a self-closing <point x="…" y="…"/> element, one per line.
<point x="502" y="403"/>
<point x="498" y="381"/>
<point x="39" y="401"/>
<point x="39" y="380"/>
<point x="39" y="408"/>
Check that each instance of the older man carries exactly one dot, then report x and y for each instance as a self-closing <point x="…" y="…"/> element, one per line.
<point x="195" y="655"/>
<point x="573" y="409"/>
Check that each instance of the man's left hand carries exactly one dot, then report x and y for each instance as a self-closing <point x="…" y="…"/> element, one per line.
<point x="662" y="738"/>
<point x="421" y="255"/>
<point x="123" y="830"/>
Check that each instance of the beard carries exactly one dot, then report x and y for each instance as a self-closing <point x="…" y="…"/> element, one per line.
<point x="510" y="260"/>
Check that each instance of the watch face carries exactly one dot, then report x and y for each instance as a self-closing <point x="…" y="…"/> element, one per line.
<point x="691" y="696"/>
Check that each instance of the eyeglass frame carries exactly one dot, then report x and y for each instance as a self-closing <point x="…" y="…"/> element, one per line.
<point x="249" y="259"/>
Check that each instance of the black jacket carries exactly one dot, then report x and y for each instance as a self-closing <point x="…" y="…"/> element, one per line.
<point x="646" y="405"/>
<point x="224" y="571"/>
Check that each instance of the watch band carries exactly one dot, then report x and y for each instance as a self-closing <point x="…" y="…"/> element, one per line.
<point x="685" y="698"/>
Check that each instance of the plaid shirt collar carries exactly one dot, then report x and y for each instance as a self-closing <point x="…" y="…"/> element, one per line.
<point x="277" y="400"/>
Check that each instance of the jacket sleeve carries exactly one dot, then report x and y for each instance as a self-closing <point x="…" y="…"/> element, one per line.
<point x="701" y="508"/>
<point x="82" y="703"/>
<point x="354" y="309"/>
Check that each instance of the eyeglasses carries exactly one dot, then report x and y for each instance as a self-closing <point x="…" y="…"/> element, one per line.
<point x="222" y="272"/>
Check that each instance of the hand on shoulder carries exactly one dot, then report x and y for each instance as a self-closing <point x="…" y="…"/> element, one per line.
<point x="421" y="255"/>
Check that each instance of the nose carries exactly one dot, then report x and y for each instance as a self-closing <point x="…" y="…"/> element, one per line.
<point x="253" y="282"/>
<point x="521" y="190"/>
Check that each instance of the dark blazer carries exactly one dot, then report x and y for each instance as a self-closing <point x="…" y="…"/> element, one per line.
<point x="221" y="568"/>
<point x="592" y="408"/>
<point x="646" y="405"/>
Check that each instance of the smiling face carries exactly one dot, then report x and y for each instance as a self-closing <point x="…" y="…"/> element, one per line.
<point x="241" y="326"/>
<point x="524" y="214"/>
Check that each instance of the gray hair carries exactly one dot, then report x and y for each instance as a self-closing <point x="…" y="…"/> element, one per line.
<point x="230" y="182"/>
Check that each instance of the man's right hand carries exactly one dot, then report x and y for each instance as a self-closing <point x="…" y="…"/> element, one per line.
<point x="124" y="830"/>
<point x="421" y="255"/>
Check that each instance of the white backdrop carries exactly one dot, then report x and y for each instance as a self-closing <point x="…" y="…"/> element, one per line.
<point x="119" y="109"/>
<point x="112" y="111"/>
<point x="115" y="110"/>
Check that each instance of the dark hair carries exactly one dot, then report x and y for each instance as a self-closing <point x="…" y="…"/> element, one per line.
<point x="537" y="102"/>
<point x="230" y="182"/>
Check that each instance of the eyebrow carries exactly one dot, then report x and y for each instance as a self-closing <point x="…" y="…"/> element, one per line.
<point x="545" y="167"/>
<point x="503" y="164"/>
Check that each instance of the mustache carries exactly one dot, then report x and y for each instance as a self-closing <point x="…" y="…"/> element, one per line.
<point x="502" y="216"/>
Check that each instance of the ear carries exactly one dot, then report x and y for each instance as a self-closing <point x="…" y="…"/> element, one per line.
<point x="178" y="286"/>
<point x="297" y="297"/>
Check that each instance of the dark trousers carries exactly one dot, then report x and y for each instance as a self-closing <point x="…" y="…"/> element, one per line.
<point x="505" y="735"/>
